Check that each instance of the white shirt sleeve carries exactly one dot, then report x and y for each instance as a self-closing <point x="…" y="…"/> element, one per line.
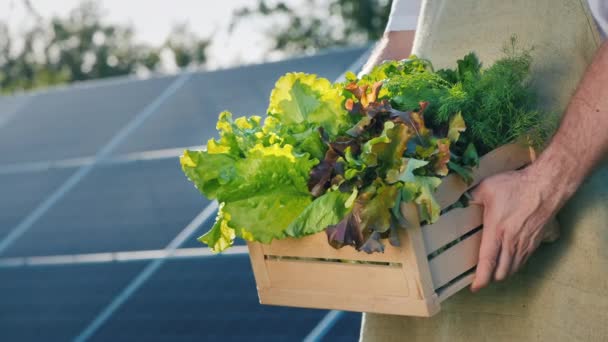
<point x="404" y="15"/>
<point x="599" y="8"/>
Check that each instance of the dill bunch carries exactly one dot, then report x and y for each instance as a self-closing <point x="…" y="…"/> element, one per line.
<point x="502" y="106"/>
<point x="497" y="103"/>
<point x="410" y="89"/>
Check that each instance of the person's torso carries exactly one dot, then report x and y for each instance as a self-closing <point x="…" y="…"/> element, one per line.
<point x="562" y="292"/>
<point x="404" y="14"/>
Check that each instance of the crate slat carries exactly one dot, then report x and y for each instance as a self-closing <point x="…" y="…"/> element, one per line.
<point x="336" y="277"/>
<point x="505" y="158"/>
<point x="448" y="291"/>
<point x="359" y="302"/>
<point x="316" y="246"/>
<point x="451" y="226"/>
<point x="450" y="190"/>
<point x="455" y="261"/>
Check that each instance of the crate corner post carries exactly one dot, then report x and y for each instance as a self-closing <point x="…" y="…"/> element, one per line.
<point x="415" y="255"/>
<point x="260" y="273"/>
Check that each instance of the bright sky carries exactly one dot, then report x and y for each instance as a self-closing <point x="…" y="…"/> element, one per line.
<point x="153" y="19"/>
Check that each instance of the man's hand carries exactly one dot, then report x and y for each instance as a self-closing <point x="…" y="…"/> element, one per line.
<point x="515" y="215"/>
<point x="517" y="205"/>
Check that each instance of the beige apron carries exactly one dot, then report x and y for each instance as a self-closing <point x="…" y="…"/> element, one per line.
<point x="562" y="293"/>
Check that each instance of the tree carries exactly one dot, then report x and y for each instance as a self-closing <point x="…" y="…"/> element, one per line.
<point x="83" y="47"/>
<point x="318" y="24"/>
<point x="187" y="48"/>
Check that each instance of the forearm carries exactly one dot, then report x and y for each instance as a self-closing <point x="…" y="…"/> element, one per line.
<point x="582" y="139"/>
<point x="394" y="45"/>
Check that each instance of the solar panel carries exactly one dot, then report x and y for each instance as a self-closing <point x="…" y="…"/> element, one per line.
<point x="9" y="106"/>
<point x="53" y="303"/>
<point x="139" y="206"/>
<point x="75" y="121"/>
<point x="61" y="203"/>
<point x="199" y="290"/>
<point x="21" y="192"/>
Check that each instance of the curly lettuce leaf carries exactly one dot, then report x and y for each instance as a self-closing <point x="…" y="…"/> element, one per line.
<point x="428" y="207"/>
<point x="220" y="236"/>
<point x="371" y="216"/>
<point x="376" y="214"/>
<point x="211" y="173"/>
<point x="305" y="98"/>
<point x="411" y="164"/>
<point x="324" y="211"/>
<point x="266" y="214"/>
<point x="260" y="194"/>
<point x="307" y="141"/>
<point x="236" y="136"/>
<point x="387" y="149"/>
<point x="321" y="174"/>
<point x="420" y="189"/>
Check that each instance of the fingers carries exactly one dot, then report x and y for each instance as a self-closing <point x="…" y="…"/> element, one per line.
<point x="488" y="253"/>
<point x="518" y="261"/>
<point x="525" y="249"/>
<point x="504" y="262"/>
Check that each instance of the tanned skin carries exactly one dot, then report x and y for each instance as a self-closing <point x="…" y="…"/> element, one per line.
<point x="518" y="204"/>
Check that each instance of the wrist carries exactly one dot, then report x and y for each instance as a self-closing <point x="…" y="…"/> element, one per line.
<point x="556" y="174"/>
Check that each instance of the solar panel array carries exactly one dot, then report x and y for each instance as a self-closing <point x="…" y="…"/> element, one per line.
<point x="91" y="195"/>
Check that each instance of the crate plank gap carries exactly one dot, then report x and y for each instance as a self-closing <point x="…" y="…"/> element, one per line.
<point x="434" y="261"/>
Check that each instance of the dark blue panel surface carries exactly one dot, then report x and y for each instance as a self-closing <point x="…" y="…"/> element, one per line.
<point x="206" y="299"/>
<point x="76" y="121"/>
<point x="56" y="303"/>
<point x="346" y="329"/>
<point x="136" y="206"/>
<point x="22" y="193"/>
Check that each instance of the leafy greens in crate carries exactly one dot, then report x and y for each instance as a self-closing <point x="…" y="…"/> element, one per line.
<point x="342" y="157"/>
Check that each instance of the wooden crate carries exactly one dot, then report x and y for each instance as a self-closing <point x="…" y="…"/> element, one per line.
<point x="409" y="280"/>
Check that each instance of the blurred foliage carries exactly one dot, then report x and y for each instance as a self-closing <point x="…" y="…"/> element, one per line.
<point x="187" y="48"/>
<point x="82" y="47"/>
<point x="316" y="24"/>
